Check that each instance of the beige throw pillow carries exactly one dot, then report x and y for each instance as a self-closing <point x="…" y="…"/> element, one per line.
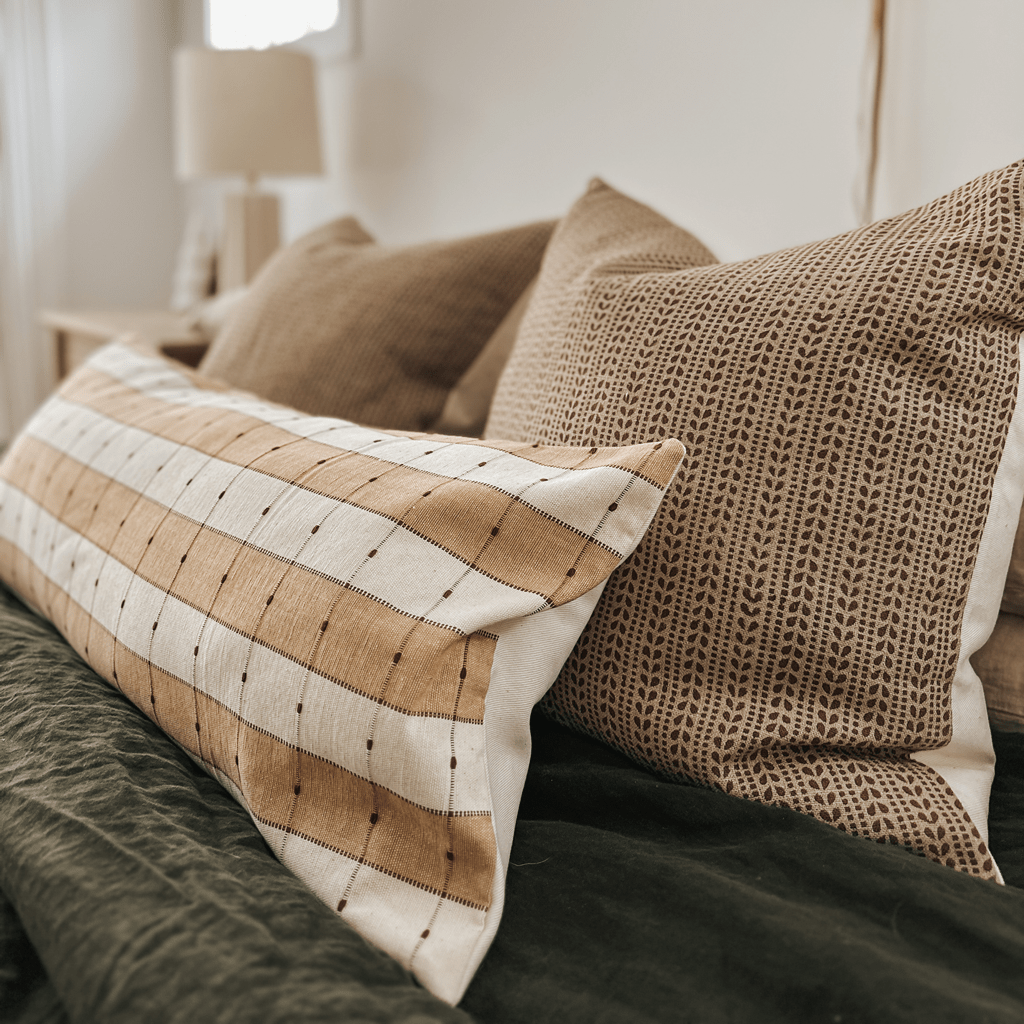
<point x="336" y="325"/>
<point x="468" y="403"/>
<point x="797" y="624"/>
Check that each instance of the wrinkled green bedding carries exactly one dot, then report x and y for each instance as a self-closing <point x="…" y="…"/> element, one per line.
<point x="137" y="890"/>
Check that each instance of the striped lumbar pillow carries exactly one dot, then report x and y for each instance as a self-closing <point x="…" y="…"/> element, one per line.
<point x="347" y="628"/>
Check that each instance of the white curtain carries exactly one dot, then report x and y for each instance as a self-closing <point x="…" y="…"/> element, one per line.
<point x="32" y="201"/>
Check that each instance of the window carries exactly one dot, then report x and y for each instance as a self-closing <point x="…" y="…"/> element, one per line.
<point x="257" y="24"/>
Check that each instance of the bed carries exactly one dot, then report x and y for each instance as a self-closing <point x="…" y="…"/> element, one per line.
<point x="145" y="892"/>
<point x="136" y="888"/>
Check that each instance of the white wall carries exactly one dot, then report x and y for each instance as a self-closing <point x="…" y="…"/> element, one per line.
<point x="955" y="97"/>
<point x="737" y="118"/>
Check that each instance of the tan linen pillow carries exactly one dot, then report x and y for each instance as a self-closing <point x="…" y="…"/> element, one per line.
<point x="1000" y="664"/>
<point x="346" y="627"/>
<point x="466" y="407"/>
<point x="1013" y="591"/>
<point x="796" y="627"/>
<point x="335" y="325"/>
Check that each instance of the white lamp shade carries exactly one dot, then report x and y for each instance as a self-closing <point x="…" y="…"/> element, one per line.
<point x="248" y="112"/>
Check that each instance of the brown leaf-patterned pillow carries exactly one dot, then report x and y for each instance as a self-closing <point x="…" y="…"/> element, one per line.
<point x="796" y="626"/>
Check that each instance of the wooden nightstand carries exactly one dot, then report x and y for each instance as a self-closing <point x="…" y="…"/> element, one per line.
<point x="76" y="334"/>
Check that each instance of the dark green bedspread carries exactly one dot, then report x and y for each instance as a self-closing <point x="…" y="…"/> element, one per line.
<point x="138" y="891"/>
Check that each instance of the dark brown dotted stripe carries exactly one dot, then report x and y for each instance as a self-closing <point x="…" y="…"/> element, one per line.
<point x="261" y="642"/>
<point x="433" y="890"/>
<point x="844" y="406"/>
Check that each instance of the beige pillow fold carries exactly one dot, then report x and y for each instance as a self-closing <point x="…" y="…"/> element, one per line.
<point x="465" y="410"/>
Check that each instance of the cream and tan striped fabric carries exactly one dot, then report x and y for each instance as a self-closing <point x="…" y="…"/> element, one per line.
<point x="337" y="326"/>
<point x="346" y="627"/>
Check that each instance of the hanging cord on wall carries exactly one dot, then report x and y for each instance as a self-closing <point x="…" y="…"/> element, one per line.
<point x="870" y="124"/>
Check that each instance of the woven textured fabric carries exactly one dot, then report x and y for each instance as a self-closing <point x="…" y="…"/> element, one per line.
<point x="336" y="326"/>
<point x="796" y="626"/>
<point x="318" y="611"/>
<point x="468" y="403"/>
<point x="1000" y="666"/>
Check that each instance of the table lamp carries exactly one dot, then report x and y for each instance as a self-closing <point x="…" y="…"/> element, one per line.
<point x="245" y="112"/>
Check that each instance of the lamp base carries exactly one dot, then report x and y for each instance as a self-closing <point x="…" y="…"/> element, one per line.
<point x="250" y="236"/>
